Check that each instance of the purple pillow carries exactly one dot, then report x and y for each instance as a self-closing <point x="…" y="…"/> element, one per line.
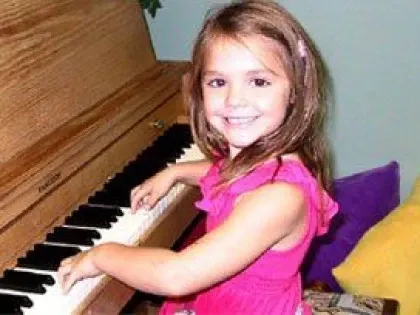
<point x="364" y="199"/>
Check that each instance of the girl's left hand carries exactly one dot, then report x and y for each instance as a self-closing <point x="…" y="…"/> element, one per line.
<point x="75" y="268"/>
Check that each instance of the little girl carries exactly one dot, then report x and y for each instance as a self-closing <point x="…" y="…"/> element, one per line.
<point x="257" y="102"/>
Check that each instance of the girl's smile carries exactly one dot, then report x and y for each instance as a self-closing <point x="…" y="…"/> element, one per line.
<point x="240" y="121"/>
<point x="245" y="90"/>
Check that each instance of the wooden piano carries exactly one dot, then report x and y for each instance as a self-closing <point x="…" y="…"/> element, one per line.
<point x="81" y="95"/>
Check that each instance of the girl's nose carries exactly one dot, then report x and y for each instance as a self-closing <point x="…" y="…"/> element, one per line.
<point x="235" y="95"/>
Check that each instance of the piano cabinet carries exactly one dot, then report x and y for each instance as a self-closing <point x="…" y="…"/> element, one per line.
<point x="82" y="95"/>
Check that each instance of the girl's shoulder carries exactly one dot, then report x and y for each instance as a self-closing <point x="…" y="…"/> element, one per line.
<point x="295" y="173"/>
<point x="289" y="171"/>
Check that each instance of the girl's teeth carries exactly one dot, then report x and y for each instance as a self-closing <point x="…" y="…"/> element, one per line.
<point x="239" y="120"/>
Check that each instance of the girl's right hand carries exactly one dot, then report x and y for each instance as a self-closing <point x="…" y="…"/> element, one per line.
<point x="151" y="190"/>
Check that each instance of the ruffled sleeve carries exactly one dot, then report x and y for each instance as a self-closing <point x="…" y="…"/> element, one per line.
<point x="207" y="182"/>
<point x="329" y="210"/>
<point x="322" y="205"/>
<point x="294" y="172"/>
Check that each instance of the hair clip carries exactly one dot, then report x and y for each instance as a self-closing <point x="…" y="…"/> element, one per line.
<point x="301" y="48"/>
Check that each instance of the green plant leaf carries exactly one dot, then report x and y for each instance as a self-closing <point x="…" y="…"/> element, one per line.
<point x="145" y="3"/>
<point x="154" y="7"/>
<point x="151" y="6"/>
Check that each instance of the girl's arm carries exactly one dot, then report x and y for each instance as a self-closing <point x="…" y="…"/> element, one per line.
<point x="272" y="216"/>
<point x="190" y="172"/>
<point x="149" y="192"/>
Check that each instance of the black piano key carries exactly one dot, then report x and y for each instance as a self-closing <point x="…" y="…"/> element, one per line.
<point x="105" y="197"/>
<point x="102" y="198"/>
<point x="160" y="153"/>
<point x="30" y="276"/>
<point x="88" y="217"/>
<point x="24" y="281"/>
<point x="177" y="136"/>
<point x="117" y="191"/>
<point x="96" y="210"/>
<point x="107" y="214"/>
<point x="168" y="146"/>
<point x="99" y="215"/>
<point x="46" y="257"/>
<point x="12" y="303"/>
<point x="129" y="177"/>
<point x="120" y="185"/>
<point x="156" y="154"/>
<point x="8" y="307"/>
<point x="76" y="236"/>
<point x="95" y="219"/>
<point x="11" y="310"/>
<point x="111" y="197"/>
<point x="146" y="165"/>
<point x="116" y="197"/>
<point x="88" y="221"/>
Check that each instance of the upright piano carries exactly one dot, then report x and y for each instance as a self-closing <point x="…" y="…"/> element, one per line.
<point x="86" y="113"/>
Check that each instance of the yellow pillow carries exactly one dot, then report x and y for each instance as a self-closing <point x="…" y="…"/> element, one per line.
<point x="386" y="261"/>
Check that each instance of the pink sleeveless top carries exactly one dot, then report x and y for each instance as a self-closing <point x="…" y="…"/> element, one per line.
<point x="270" y="285"/>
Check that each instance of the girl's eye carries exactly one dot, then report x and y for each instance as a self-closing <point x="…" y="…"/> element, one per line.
<point x="260" y="82"/>
<point x="216" y="83"/>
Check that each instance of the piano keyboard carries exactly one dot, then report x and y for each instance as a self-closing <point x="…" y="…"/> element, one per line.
<point x="32" y="287"/>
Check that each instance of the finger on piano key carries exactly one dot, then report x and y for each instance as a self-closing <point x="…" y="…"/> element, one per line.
<point x="53" y="301"/>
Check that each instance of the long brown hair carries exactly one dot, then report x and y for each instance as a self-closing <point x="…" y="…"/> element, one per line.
<point x="302" y="130"/>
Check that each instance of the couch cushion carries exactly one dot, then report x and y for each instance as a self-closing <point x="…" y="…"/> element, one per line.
<point x="364" y="199"/>
<point x="386" y="261"/>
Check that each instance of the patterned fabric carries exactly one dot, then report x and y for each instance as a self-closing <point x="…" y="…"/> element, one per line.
<point x="326" y="303"/>
<point x="272" y="284"/>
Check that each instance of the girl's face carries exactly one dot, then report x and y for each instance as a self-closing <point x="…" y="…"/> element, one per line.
<point x="245" y="90"/>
